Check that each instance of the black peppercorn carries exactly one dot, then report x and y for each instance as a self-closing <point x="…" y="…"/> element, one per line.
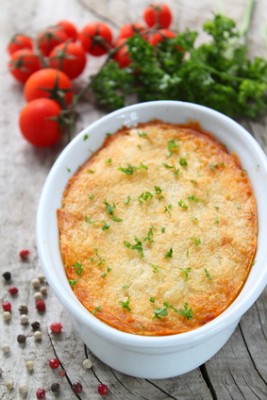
<point x="36" y="326"/>
<point x="7" y="276"/>
<point x="21" y="339"/>
<point x="55" y="387"/>
<point x="23" y="309"/>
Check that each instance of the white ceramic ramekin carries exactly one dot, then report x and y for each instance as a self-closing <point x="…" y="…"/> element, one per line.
<point x="140" y="356"/>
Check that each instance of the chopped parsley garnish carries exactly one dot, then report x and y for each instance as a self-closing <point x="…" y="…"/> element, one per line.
<point x="91" y="197"/>
<point x="105" y="227"/>
<point x="142" y="134"/>
<point x="193" y="198"/>
<point x="126" y="304"/>
<point x="78" y="268"/>
<point x="145" y="196"/>
<point x="168" y="166"/>
<point x="208" y="275"/>
<point x="172" y="146"/>
<point x="110" y="208"/>
<point x="213" y="167"/>
<point x="96" y="309"/>
<point x="155" y="268"/>
<point x="91" y="171"/>
<point x="109" y="161"/>
<point x="127" y="201"/>
<point x="72" y="282"/>
<point x="130" y="169"/>
<point x="138" y="246"/>
<point x="196" y="241"/>
<point x="169" y="253"/>
<point x="149" y="236"/>
<point x="185" y="312"/>
<point x="183" y="162"/>
<point x="158" y="189"/>
<point x="116" y="219"/>
<point x="183" y="204"/>
<point x="86" y="136"/>
<point x="161" y="312"/>
<point x="185" y="272"/>
<point x="167" y="209"/>
<point x="163" y="229"/>
<point x="152" y="299"/>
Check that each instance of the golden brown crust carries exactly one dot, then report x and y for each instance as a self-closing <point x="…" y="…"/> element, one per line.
<point x="158" y="229"/>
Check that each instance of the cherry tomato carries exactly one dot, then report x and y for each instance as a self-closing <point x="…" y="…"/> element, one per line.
<point x="19" y="42"/>
<point x="160" y="35"/>
<point x="158" y="15"/>
<point x="122" y="56"/>
<point x="23" y="63"/>
<point x="50" y="83"/>
<point x="96" y="38"/>
<point x="50" y="38"/>
<point x="129" y="30"/>
<point x="38" y="122"/>
<point x="69" y="57"/>
<point x="69" y="28"/>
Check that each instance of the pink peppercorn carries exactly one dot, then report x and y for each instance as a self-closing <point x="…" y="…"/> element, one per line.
<point x="24" y="254"/>
<point x="77" y="387"/>
<point x="13" y="290"/>
<point x="40" y="393"/>
<point x="56" y="327"/>
<point x="54" y="363"/>
<point x="6" y="305"/>
<point x="40" y="306"/>
<point x="102" y="389"/>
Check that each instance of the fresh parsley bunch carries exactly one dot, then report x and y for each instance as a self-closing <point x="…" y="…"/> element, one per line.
<point x="218" y="74"/>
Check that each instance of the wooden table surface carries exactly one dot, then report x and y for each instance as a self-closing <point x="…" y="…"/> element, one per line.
<point x="238" y="371"/>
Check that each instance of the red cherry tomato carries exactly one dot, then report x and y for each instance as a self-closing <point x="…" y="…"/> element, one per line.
<point x="69" y="57"/>
<point x="50" y="38"/>
<point x="19" y="42"/>
<point x="69" y="28"/>
<point x="38" y="122"/>
<point x="96" y="38"/>
<point x="50" y="83"/>
<point x="122" y="56"/>
<point x="160" y="35"/>
<point x="23" y="63"/>
<point x="158" y="15"/>
<point x="129" y="30"/>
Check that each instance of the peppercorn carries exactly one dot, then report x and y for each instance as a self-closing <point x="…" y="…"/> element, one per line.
<point x="21" y="339"/>
<point x="35" y="283"/>
<point x="7" y="315"/>
<point x="102" y="389"/>
<point x="54" y="363"/>
<point x="87" y="363"/>
<point x="55" y="387"/>
<point x="56" y="328"/>
<point x="24" y="319"/>
<point x="7" y="276"/>
<point x="43" y="290"/>
<point x="13" y="290"/>
<point x="40" y="306"/>
<point x="6" y="348"/>
<point x="10" y="385"/>
<point x="40" y="393"/>
<point x="36" y="326"/>
<point x="6" y="305"/>
<point x="37" y="336"/>
<point x="77" y="387"/>
<point x="23" y="309"/>
<point x="24" y="254"/>
<point x="23" y="390"/>
<point x="29" y="365"/>
<point x="38" y="296"/>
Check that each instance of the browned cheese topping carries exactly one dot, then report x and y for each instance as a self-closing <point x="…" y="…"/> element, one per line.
<point x="158" y="229"/>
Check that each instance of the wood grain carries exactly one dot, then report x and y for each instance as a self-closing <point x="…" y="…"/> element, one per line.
<point x="238" y="371"/>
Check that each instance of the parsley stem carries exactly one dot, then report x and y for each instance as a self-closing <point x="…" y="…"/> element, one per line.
<point x="247" y="18"/>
